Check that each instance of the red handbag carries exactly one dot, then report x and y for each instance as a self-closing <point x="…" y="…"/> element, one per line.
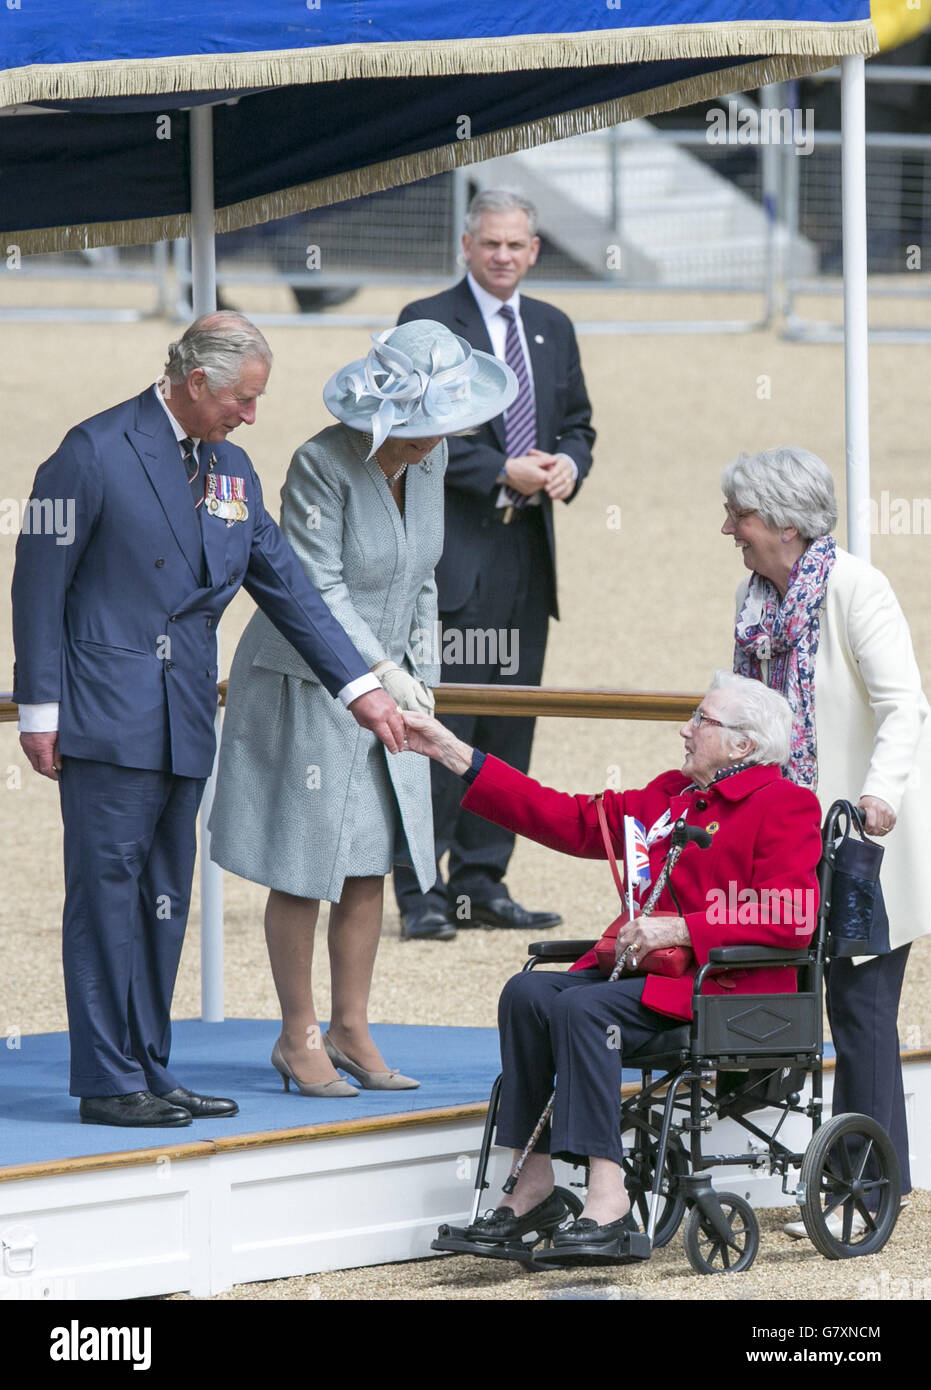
<point x="671" y="961"/>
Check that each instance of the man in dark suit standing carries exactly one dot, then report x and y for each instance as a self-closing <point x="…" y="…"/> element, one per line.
<point x="497" y="577"/>
<point x="114" y="626"/>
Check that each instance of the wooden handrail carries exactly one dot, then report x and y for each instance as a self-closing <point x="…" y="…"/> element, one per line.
<point x="555" y="701"/>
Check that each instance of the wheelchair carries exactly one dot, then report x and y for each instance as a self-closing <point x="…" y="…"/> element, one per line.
<point x="740" y="1054"/>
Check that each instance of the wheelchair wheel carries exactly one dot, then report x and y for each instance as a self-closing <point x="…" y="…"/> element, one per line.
<point x="639" y="1167"/>
<point x="850" y="1161"/>
<point x="710" y="1253"/>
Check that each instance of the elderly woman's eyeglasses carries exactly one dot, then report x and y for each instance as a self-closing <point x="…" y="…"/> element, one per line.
<point x="698" y="717"/>
<point x="736" y="514"/>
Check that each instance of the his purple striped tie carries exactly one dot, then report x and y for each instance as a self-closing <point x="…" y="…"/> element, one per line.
<point x="520" y="420"/>
<point x="192" y="468"/>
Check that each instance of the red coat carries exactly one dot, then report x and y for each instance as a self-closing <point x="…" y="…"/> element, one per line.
<point x="756" y="884"/>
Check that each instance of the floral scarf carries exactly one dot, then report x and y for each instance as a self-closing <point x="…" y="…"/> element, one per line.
<point x="785" y="636"/>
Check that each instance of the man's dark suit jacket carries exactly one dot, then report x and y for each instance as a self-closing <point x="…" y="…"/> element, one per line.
<point x="118" y="627"/>
<point x="563" y="427"/>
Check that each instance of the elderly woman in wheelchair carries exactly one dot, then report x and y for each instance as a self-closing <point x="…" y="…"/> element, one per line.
<point x="754" y="888"/>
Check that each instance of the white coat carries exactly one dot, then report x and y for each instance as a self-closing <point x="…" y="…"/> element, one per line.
<point x="873" y="730"/>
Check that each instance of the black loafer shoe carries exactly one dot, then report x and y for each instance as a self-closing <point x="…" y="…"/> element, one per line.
<point x="504" y="912"/>
<point x="502" y="1225"/>
<point x="200" y="1107"/>
<point x="138" y="1109"/>
<point x="584" y="1231"/>
<point x="428" y="924"/>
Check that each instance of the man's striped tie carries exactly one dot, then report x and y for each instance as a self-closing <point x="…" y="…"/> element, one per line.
<point x="520" y="420"/>
<point x="192" y="468"/>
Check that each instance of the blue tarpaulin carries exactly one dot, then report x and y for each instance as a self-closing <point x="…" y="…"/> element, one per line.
<point x="321" y="100"/>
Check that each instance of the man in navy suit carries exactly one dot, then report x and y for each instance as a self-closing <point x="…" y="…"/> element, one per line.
<point x="115" y="676"/>
<point x="497" y="578"/>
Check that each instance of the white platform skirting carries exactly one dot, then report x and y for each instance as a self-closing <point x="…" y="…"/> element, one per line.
<point x="266" y="1207"/>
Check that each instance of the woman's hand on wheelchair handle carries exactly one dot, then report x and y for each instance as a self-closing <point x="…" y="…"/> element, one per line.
<point x="879" y="815"/>
<point x="645" y="934"/>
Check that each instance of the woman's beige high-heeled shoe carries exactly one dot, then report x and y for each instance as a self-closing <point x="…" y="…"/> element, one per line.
<point x="320" y="1089"/>
<point x="368" y="1080"/>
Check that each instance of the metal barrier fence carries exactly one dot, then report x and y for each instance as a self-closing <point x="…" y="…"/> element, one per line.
<point x="898" y="180"/>
<point x="145" y="265"/>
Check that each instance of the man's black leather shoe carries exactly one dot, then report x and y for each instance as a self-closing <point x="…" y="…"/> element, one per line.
<point x="505" y="912"/>
<point x="201" y="1107"/>
<point x="138" y="1109"/>
<point x="427" y="924"/>
<point x="502" y="1224"/>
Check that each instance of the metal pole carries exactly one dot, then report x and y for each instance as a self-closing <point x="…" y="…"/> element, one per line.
<point x="203" y="246"/>
<point x="204" y="299"/>
<point x="790" y="170"/>
<point x="856" y="323"/>
<point x="769" y="170"/>
<point x="459" y="208"/>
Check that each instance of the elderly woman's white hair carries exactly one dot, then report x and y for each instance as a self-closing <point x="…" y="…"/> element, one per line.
<point x="787" y="487"/>
<point x="758" y="713"/>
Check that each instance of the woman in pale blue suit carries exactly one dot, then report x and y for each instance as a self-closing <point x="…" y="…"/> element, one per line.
<point x="307" y="802"/>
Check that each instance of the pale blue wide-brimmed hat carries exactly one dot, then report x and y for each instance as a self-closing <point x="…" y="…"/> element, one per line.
<point x="419" y="380"/>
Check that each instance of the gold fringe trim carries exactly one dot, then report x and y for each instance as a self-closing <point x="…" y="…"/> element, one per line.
<point x="434" y="58"/>
<point x="375" y="178"/>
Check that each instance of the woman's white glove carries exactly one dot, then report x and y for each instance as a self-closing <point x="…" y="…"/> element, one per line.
<point x="408" y="691"/>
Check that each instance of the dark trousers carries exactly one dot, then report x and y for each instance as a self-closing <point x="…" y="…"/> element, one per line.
<point x="513" y="601"/>
<point x="130" y="843"/>
<point x="863" y="1005"/>
<point x="576" y="1027"/>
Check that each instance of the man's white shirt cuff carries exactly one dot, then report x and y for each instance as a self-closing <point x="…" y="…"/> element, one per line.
<point x="360" y="686"/>
<point x="38" y="719"/>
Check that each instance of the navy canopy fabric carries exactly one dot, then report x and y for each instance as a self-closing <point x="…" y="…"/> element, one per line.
<point x="321" y="100"/>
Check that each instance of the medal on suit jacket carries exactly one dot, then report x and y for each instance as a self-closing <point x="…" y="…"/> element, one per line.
<point x="226" y="497"/>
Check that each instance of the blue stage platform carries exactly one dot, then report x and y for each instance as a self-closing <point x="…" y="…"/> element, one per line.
<point x="39" y="1120"/>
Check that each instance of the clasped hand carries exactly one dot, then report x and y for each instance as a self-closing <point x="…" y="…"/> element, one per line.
<point x="537" y="471"/>
<point x="645" y="934"/>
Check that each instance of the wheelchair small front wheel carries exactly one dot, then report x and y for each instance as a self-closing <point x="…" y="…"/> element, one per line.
<point x="851" y="1187"/>
<point x="709" y="1251"/>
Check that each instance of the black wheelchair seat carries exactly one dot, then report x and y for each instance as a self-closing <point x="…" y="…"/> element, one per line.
<point x="663" y="1051"/>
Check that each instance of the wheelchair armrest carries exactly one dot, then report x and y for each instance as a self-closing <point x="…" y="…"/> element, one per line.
<point x="559" y="950"/>
<point x="756" y="955"/>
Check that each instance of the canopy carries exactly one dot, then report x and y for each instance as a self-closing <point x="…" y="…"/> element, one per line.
<point x="324" y="100"/>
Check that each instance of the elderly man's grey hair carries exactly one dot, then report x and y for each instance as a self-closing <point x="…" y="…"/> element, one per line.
<point x="220" y="344"/>
<point x="787" y="486"/>
<point x="758" y="713"/>
<point x="500" y="200"/>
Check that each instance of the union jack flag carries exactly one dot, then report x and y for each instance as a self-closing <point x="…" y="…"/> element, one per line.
<point x="636" y="855"/>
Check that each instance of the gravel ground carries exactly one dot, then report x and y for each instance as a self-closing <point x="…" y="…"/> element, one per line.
<point x="646" y="606"/>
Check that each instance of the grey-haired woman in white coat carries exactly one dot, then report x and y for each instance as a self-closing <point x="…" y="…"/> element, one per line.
<point x="826" y="629"/>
